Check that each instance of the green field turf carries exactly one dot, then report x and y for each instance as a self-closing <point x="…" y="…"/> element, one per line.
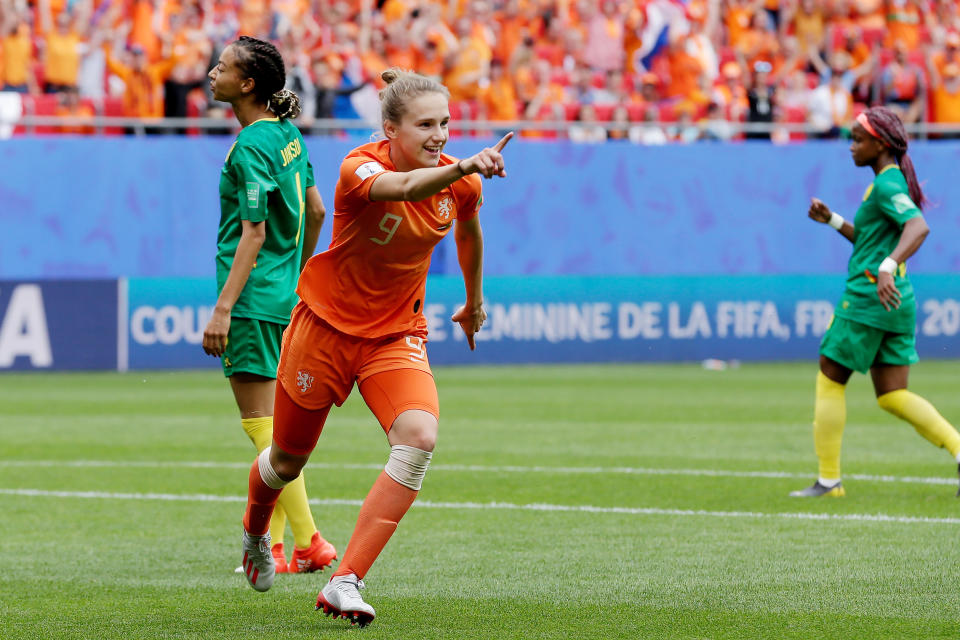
<point x="563" y="502"/>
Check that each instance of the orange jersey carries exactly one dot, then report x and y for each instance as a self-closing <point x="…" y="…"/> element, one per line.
<point x="371" y="281"/>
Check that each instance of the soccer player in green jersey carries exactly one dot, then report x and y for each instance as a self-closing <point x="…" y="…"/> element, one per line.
<point x="874" y="324"/>
<point x="270" y="218"/>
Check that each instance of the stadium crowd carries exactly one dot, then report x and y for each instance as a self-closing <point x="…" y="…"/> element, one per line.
<point x="649" y="71"/>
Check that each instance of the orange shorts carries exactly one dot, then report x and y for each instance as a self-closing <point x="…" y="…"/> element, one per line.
<point x="319" y="366"/>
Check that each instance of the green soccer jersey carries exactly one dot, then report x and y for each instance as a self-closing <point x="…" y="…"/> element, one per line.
<point x="264" y="178"/>
<point x="877" y="227"/>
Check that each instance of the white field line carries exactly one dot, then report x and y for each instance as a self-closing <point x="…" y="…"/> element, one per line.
<point x="502" y="506"/>
<point x="470" y="468"/>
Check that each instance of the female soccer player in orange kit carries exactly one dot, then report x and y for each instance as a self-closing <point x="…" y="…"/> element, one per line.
<point x="361" y="320"/>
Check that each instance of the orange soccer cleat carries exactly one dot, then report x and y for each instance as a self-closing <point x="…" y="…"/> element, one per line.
<point x="318" y="557"/>
<point x="279" y="559"/>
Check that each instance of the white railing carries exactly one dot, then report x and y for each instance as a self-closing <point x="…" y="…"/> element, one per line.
<point x="31" y="124"/>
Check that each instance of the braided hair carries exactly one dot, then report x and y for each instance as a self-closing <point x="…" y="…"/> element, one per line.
<point x="890" y="132"/>
<point x="262" y="62"/>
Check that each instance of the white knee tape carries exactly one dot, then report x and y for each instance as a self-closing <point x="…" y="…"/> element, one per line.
<point x="408" y="465"/>
<point x="267" y="474"/>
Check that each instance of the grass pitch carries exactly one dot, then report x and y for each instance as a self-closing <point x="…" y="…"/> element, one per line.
<point x="563" y="502"/>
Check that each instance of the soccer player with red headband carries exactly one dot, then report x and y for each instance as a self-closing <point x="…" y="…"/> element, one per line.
<point x="874" y="323"/>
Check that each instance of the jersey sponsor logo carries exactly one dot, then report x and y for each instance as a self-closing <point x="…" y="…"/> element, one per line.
<point x="368" y="169"/>
<point x="304" y="381"/>
<point x="253" y="195"/>
<point x="903" y="203"/>
<point x="445" y="206"/>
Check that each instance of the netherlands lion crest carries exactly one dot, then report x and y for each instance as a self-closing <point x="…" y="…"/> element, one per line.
<point x="304" y="381"/>
<point x="445" y="206"/>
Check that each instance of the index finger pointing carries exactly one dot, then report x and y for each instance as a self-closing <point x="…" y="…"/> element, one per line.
<point x="503" y="142"/>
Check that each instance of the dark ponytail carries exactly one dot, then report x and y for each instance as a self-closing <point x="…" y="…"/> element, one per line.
<point x="891" y="132"/>
<point x="261" y="61"/>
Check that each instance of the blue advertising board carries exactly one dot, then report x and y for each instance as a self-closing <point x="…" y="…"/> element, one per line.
<point x="586" y="319"/>
<point x="63" y="324"/>
<point x="159" y="323"/>
<point x="166" y="318"/>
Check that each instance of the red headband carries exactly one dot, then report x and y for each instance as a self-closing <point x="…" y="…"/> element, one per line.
<point x="862" y="120"/>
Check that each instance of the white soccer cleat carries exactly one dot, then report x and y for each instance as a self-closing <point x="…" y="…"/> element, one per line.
<point x="258" y="565"/>
<point x="341" y="598"/>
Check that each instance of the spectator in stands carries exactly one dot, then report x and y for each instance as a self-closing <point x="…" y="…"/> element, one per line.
<point x="192" y="50"/>
<point x="581" y="89"/>
<point x="603" y="49"/>
<point x="759" y="41"/>
<point x="70" y="105"/>
<point x="684" y="130"/>
<point x="760" y="100"/>
<point x="143" y="81"/>
<point x="60" y="49"/>
<point x="647" y="89"/>
<point x="498" y="100"/>
<point x="945" y="94"/>
<point x="903" y="86"/>
<point x="649" y="132"/>
<point x="684" y="70"/>
<point x="807" y="19"/>
<point x="860" y="54"/>
<point x="731" y="94"/>
<point x="612" y="91"/>
<point x="715" y="126"/>
<point x="831" y="104"/>
<point x="15" y="63"/>
<point x="586" y="128"/>
<point x="942" y="18"/>
<point x="949" y="53"/>
<point x="904" y="18"/>
<point x="470" y="63"/>
<point x="92" y="73"/>
<point x="619" y="123"/>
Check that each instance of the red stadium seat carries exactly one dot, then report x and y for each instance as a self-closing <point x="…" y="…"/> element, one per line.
<point x="635" y="112"/>
<point x="42" y="104"/>
<point x="459" y="111"/>
<point x="668" y="112"/>
<point x="560" y="77"/>
<point x="113" y="107"/>
<point x="795" y="115"/>
<point x="604" y="112"/>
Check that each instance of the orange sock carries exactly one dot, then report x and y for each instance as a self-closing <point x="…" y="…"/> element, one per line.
<point x="261" y="500"/>
<point x="382" y="509"/>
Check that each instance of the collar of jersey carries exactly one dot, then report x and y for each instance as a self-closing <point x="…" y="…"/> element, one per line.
<point x="887" y="168"/>
<point x="278" y="119"/>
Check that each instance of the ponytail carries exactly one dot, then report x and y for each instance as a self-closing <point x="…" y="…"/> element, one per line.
<point x="889" y="130"/>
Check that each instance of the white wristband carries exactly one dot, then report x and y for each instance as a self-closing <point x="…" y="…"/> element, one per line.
<point x="836" y="220"/>
<point x="889" y="265"/>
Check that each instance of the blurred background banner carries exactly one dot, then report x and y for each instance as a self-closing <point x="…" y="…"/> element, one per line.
<point x="148" y="207"/>
<point x="157" y="323"/>
<point x="59" y="324"/>
<point x="166" y="318"/>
